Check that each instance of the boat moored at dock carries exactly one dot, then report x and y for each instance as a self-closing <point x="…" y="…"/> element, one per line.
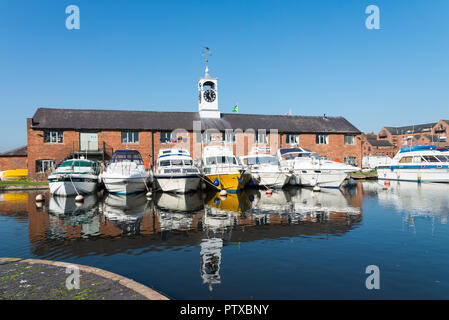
<point x="175" y="171"/>
<point x="126" y="173"/>
<point x="265" y="170"/>
<point x="418" y="163"/>
<point x="222" y="170"/>
<point x="311" y="170"/>
<point x="75" y="177"/>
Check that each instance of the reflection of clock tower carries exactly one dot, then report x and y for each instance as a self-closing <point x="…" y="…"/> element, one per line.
<point x="208" y="96"/>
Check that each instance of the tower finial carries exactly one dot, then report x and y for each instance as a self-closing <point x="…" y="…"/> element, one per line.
<point x="206" y="54"/>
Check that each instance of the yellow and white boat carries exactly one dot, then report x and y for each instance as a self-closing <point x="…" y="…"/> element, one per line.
<point x="222" y="170"/>
<point x="16" y="174"/>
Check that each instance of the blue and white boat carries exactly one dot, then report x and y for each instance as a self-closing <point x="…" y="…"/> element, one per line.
<point x="175" y="171"/>
<point x="418" y="163"/>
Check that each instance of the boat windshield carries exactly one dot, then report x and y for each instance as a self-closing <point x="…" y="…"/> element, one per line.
<point x="179" y="162"/>
<point x="221" y="160"/>
<point x="293" y="155"/>
<point x="443" y="158"/>
<point x="127" y="156"/>
<point x="76" y="163"/>
<point x="260" y="160"/>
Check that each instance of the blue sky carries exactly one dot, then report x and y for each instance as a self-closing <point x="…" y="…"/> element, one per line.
<point x="312" y="57"/>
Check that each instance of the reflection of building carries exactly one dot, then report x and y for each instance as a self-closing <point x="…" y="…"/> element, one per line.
<point x="210" y="261"/>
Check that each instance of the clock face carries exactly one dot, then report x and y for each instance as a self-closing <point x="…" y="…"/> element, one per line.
<point x="209" y="95"/>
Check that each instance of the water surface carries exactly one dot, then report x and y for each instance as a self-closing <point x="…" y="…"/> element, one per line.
<point x="295" y="244"/>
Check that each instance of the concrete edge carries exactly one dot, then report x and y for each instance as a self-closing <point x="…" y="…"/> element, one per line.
<point x="141" y="289"/>
<point x="24" y="188"/>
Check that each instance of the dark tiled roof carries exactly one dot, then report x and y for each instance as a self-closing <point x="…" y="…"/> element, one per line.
<point x="371" y="136"/>
<point x="380" y="143"/>
<point x="418" y="128"/>
<point x="66" y="119"/>
<point x="19" y="152"/>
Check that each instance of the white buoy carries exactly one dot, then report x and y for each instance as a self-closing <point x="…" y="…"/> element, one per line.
<point x="40" y="198"/>
<point x="149" y="194"/>
<point x="316" y="189"/>
<point x="79" y="198"/>
<point x="39" y="205"/>
<point x="223" y="193"/>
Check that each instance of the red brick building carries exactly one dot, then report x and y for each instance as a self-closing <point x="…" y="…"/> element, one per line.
<point x="434" y="133"/>
<point x="57" y="134"/>
<point x="14" y="159"/>
<point x="379" y="148"/>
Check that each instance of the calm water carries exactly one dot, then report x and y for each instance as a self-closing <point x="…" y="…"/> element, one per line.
<point x="295" y="244"/>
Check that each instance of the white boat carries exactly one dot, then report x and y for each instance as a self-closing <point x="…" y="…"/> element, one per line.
<point x="265" y="170"/>
<point x="75" y="176"/>
<point x="311" y="170"/>
<point x="175" y="172"/>
<point x="418" y="163"/>
<point x="126" y="173"/>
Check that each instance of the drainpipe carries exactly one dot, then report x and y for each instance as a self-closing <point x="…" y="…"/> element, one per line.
<point x="152" y="147"/>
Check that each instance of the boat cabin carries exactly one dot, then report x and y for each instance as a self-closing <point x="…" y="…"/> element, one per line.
<point x="127" y="156"/>
<point x="175" y="161"/>
<point x="292" y="153"/>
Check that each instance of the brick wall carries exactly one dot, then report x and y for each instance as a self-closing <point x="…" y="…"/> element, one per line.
<point x="150" y="144"/>
<point x="11" y="163"/>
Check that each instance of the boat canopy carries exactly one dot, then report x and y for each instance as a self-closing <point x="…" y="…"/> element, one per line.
<point x="418" y="148"/>
<point x="126" y="155"/>
<point x="78" y="163"/>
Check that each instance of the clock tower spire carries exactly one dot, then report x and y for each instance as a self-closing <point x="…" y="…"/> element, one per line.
<point x="208" y="92"/>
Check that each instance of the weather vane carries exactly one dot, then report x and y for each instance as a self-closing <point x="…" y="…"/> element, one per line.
<point x="206" y="53"/>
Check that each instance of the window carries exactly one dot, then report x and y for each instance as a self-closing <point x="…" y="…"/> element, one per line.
<point x="261" y="138"/>
<point x="351" y="161"/>
<point x="43" y="166"/>
<point x="406" y="160"/>
<point x="221" y="160"/>
<point x="349" y="140"/>
<point x="430" y="159"/>
<point x="292" y="138"/>
<point x="130" y="137"/>
<point x="165" y="137"/>
<point x="322" y="139"/>
<point x="229" y="137"/>
<point x="53" y="137"/>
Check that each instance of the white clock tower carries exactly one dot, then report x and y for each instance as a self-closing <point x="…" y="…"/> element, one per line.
<point x="208" y="96"/>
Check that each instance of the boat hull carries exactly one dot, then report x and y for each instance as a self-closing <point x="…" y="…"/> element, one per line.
<point x="417" y="175"/>
<point x="269" y="179"/>
<point x="69" y="188"/>
<point x="332" y="179"/>
<point x="125" y="186"/>
<point x="16" y="174"/>
<point x="180" y="184"/>
<point x="230" y="182"/>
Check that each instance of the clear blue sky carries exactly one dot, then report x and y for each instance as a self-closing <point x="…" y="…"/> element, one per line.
<point x="313" y="57"/>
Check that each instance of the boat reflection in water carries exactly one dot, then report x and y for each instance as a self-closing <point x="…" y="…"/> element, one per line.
<point x="415" y="200"/>
<point x="206" y="221"/>
<point x="65" y="211"/>
<point x="328" y="204"/>
<point x="176" y="211"/>
<point x="126" y="212"/>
